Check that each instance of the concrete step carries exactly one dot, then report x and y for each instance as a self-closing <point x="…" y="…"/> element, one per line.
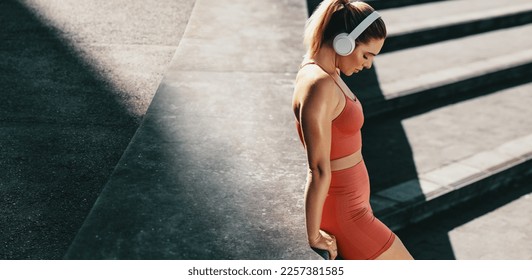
<point x="453" y="154"/>
<point x="438" y="21"/>
<point x="388" y="4"/>
<point x="437" y="72"/>
<point x="201" y="179"/>
<point x="376" y="4"/>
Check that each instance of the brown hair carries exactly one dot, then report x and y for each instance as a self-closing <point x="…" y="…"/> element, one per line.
<point x="333" y="17"/>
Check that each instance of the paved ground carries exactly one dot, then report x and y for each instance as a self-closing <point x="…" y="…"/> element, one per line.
<point x="208" y="146"/>
<point x="76" y="78"/>
<point x="496" y="227"/>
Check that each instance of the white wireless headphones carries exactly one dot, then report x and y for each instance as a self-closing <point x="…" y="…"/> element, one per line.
<point x="344" y="43"/>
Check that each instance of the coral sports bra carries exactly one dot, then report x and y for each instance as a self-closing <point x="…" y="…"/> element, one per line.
<point x="345" y="131"/>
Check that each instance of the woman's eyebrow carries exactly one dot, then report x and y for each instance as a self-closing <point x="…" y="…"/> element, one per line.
<point x="372" y="54"/>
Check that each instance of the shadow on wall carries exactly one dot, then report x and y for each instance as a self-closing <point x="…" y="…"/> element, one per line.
<point x="62" y="132"/>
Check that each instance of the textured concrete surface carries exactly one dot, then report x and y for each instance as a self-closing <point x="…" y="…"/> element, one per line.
<point x="75" y="81"/>
<point x="451" y="185"/>
<point x="422" y="141"/>
<point x="243" y="38"/>
<point x="444" y="13"/>
<point x="207" y="152"/>
<point x="452" y="59"/>
<point x="377" y="4"/>
<point x="449" y="150"/>
<point x="504" y="233"/>
<point x="450" y="69"/>
<point x="479" y="124"/>
<point x="439" y="21"/>
<point x="128" y="43"/>
<point x="495" y="227"/>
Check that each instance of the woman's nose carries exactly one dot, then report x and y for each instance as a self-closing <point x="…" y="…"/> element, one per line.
<point x="368" y="64"/>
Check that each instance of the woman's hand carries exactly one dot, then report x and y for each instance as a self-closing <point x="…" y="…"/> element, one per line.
<point x="326" y="242"/>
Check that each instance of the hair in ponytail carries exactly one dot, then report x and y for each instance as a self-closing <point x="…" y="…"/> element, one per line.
<point x="333" y="17"/>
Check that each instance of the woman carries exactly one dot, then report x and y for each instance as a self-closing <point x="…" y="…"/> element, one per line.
<point x="329" y="117"/>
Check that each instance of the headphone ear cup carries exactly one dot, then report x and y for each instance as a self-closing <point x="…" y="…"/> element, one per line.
<point x="343" y="44"/>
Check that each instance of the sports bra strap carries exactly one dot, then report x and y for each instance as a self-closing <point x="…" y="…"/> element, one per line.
<point x="333" y="77"/>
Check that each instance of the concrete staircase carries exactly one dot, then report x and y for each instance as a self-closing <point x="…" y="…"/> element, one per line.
<point x="452" y="115"/>
<point x="215" y="170"/>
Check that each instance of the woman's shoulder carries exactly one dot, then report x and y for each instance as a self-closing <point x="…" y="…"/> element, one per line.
<point x="315" y="81"/>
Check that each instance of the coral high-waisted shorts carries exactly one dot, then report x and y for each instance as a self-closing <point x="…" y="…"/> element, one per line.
<point x="347" y="215"/>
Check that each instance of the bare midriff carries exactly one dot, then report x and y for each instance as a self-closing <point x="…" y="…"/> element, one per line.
<point x="347" y="161"/>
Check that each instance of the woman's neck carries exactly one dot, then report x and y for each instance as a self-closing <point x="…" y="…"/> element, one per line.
<point x="326" y="58"/>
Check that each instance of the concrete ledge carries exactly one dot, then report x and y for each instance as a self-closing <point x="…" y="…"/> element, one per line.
<point x="204" y="178"/>
<point x="388" y="4"/>
<point x="436" y="94"/>
<point x="448" y="69"/>
<point x="424" y="24"/>
<point x="376" y="4"/>
<point x="458" y="182"/>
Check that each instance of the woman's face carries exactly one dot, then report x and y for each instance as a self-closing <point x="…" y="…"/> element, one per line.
<point x="360" y="58"/>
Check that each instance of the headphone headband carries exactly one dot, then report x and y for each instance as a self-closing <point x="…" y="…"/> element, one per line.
<point x="344" y="43"/>
<point x="364" y="24"/>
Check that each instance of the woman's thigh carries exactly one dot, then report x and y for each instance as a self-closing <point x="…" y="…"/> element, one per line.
<point x="397" y="251"/>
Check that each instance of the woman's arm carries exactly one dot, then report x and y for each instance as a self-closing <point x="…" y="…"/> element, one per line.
<point x="316" y="112"/>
